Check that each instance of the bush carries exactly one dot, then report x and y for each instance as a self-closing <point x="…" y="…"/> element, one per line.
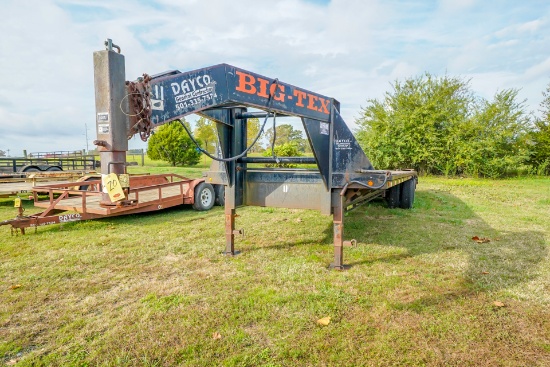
<point x="283" y="150"/>
<point x="171" y="143"/>
<point x="438" y="126"/>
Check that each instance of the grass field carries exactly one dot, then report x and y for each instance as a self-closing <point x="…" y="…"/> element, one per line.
<point x="155" y="290"/>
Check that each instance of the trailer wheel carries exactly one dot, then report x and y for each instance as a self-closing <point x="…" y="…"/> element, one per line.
<point x="393" y="196"/>
<point x="54" y="168"/>
<point x="88" y="187"/>
<point x="31" y="169"/>
<point x="407" y="193"/>
<point x="204" y="197"/>
<point x="220" y="194"/>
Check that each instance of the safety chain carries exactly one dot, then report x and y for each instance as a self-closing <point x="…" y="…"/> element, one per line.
<point x="140" y="107"/>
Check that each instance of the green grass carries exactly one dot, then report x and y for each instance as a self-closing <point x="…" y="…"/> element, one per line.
<point x="158" y="167"/>
<point x="155" y="289"/>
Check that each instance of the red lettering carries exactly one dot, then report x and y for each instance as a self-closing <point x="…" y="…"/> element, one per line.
<point x="301" y="95"/>
<point x="246" y="83"/>
<point x="263" y="87"/>
<point x="324" y="105"/>
<point x="312" y="99"/>
<point x="281" y="96"/>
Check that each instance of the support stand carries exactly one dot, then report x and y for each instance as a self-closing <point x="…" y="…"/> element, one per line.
<point x="338" y="230"/>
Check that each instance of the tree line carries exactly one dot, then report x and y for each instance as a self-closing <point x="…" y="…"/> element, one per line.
<point x="437" y="125"/>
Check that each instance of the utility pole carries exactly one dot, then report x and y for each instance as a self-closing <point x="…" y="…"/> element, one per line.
<point x="86" y="133"/>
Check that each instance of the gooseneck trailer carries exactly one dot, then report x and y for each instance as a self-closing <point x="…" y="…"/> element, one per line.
<point x="343" y="178"/>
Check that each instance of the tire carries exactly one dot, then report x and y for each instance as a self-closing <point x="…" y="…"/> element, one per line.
<point x="54" y="168"/>
<point x="407" y="193"/>
<point x="31" y="169"/>
<point x="204" y="197"/>
<point x="393" y="196"/>
<point x="220" y="194"/>
<point x="88" y="187"/>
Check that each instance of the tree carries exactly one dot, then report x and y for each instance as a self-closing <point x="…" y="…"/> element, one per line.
<point x="496" y="143"/>
<point x="206" y="132"/>
<point x="539" y="138"/>
<point x="285" y="133"/>
<point x="252" y="130"/>
<point x="283" y="150"/>
<point x="171" y="143"/>
<point x="2" y="153"/>
<point x="437" y="125"/>
<point x="407" y="128"/>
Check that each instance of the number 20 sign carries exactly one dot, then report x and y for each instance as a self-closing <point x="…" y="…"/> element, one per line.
<point x="112" y="186"/>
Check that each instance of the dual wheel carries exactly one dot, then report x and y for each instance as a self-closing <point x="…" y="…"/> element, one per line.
<point x="402" y="195"/>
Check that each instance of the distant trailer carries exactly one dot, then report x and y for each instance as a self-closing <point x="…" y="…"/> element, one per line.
<point x="47" y="162"/>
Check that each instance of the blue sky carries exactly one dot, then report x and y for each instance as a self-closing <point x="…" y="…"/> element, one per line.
<point x="351" y="50"/>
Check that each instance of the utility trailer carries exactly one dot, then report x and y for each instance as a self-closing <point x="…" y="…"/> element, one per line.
<point x="344" y="177"/>
<point x="83" y="200"/>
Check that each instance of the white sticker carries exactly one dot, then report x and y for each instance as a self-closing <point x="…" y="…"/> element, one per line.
<point x="103" y="117"/>
<point x="342" y="144"/>
<point x="103" y="128"/>
<point x="157" y="104"/>
<point x="324" y="128"/>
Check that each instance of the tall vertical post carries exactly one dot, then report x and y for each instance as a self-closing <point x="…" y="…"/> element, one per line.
<point x="230" y="219"/>
<point x="338" y="229"/>
<point x="234" y="191"/>
<point x="112" y="123"/>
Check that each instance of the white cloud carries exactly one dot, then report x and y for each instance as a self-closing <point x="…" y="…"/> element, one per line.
<point x="349" y="49"/>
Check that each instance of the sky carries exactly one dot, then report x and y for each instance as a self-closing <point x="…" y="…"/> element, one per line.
<point x="352" y="50"/>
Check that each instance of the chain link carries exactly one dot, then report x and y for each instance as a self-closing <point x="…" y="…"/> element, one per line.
<point x="140" y="107"/>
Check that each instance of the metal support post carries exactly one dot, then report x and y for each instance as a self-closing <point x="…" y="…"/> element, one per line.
<point x="230" y="220"/>
<point x="338" y="228"/>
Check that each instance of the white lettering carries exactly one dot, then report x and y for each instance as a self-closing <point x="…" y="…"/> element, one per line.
<point x="70" y="218"/>
<point x="188" y="85"/>
<point x="185" y="86"/>
<point x="174" y="86"/>
<point x="199" y="82"/>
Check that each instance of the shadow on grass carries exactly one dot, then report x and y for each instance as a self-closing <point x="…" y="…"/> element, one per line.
<point x="439" y="224"/>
